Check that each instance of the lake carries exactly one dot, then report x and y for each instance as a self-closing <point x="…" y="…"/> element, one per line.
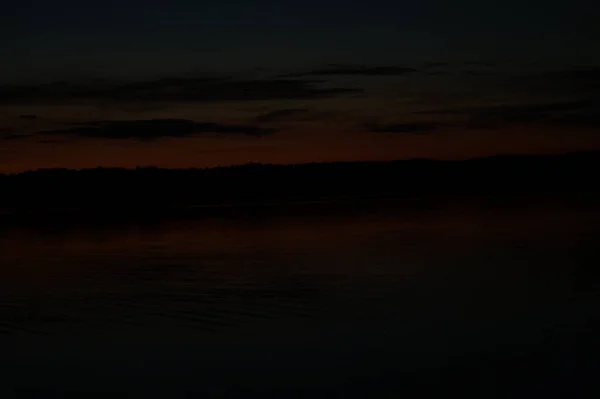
<point x="493" y="298"/>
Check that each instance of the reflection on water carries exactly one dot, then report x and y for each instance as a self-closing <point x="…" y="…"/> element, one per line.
<point x="359" y="300"/>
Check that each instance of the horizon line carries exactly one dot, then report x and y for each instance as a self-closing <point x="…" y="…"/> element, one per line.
<point x="230" y="166"/>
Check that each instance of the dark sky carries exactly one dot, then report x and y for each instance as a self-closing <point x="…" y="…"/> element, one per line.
<point x="190" y="83"/>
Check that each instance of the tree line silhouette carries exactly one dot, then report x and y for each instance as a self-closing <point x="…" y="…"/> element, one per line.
<point x="108" y="190"/>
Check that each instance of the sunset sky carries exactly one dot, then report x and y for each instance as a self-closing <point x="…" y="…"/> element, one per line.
<point x="203" y="83"/>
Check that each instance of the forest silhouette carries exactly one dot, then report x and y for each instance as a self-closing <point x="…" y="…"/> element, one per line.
<point x="120" y="191"/>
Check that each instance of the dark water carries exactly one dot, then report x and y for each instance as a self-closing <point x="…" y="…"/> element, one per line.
<point x="357" y="300"/>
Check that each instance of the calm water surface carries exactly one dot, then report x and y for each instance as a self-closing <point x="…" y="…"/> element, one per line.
<point x="355" y="300"/>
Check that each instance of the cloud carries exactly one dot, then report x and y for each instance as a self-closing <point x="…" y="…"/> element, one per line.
<point x="575" y="78"/>
<point x="475" y="73"/>
<point x="431" y="65"/>
<point x="438" y="73"/>
<point x="281" y="114"/>
<point x="10" y="135"/>
<point x="154" y="129"/>
<point x="14" y="137"/>
<point x="28" y="116"/>
<point x="402" y="128"/>
<point x="291" y="114"/>
<point x="479" y="64"/>
<point x="51" y="141"/>
<point x="334" y="70"/>
<point x="582" y="82"/>
<point x="584" y="113"/>
<point x="173" y="90"/>
<point x="580" y="120"/>
<point x="521" y="110"/>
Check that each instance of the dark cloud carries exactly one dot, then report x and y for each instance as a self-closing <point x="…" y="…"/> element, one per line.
<point x="334" y="70"/>
<point x="438" y="73"/>
<point x="402" y="128"/>
<point x="583" y="113"/>
<point x="581" y="82"/>
<point x="575" y="78"/>
<point x="479" y="64"/>
<point x="134" y="107"/>
<point x="476" y="73"/>
<point x="291" y="114"/>
<point x="281" y="114"/>
<point x="580" y="120"/>
<point x="51" y="141"/>
<point x="155" y="128"/>
<point x="432" y="65"/>
<point x="173" y="90"/>
<point x="15" y="137"/>
<point x="28" y="116"/>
